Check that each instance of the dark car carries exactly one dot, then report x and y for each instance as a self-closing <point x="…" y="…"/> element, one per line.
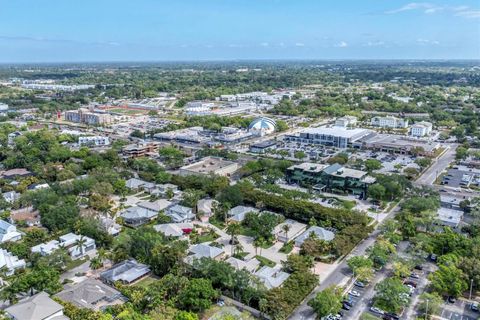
<point x="359" y="284"/>
<point x="346" y="306"/>
<point x="419" y="267"/>
<point x="391" y="316"/>
<point x="411" y="283"/>
<point x="452" y="299"/>
<point x="348" y="303"/>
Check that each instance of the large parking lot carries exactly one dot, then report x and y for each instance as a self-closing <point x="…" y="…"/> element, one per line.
<point x="391" y="163"/>
<point x="460" y="310"/>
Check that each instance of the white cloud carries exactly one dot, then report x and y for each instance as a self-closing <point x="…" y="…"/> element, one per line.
<point x="374" y="44"/>
<point x="264" y="44"/>
<point x="341" y="44"/>
<point x="427" y="42"/>
<point x="426" y="7"/>
<point x="470" y="14"/>
<point x="299" y="44"/>
<point x="430" y="8"/>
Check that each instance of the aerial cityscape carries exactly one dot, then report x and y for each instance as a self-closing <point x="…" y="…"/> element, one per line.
<point x="239" y="160"/>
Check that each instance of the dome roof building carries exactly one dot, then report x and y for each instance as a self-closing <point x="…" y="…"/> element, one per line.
<point x="262" y="126"/>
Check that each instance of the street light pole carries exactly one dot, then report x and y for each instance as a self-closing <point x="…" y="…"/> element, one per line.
<point x="426" y="310"/>
<point x="471" y="288"/>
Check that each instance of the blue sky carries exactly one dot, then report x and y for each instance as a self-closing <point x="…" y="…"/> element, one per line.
<point x="158" y="30"/>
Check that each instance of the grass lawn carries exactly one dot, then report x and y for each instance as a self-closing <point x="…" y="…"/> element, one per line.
<point x="368" y="316"/>
<point x="75" y="263"/>
<point x="219" y="224"/>
<point x="146" y="281"/>
<point x="240" y="255"/>
<point x="287" y="247"/>
<point x="201" y="238"/>
<point x="265" y="262"/>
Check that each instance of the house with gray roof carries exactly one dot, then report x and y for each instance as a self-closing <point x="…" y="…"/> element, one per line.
<point x="137" y="216"/>
<point x="91" y="294"/>
<point x="180" y="214"/>
<point x="138" y="184"/>
<point x="11" y="196"/>
<point x="318" y="232"/>
<point x="155" y="206"/>
<point x="37" y="307"/>
<point x="126" y="272"/>
<point x="202" y="250"/>
<point x="272" y="277"/>
<point x="238" y="213"/>
<point x="176" y="230"/>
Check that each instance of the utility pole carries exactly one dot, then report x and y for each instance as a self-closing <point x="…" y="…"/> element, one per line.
<point x="471" y="288"/>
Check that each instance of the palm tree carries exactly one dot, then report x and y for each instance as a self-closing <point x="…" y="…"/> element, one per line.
<point x="233" y="229"/>
<point x="256" y="245"/>
<point x="286" y="228"/>
<point x="80" y="244"/>
<point x="96" y="263"/>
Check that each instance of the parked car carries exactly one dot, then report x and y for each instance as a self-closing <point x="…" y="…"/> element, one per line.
<point x="410" y="283"/>
<point x="391" y="316"/>
<point x="415" y="275"/>
<point x="348" y="303"/>
<point x="419" y="267"/>
<point x="354" y="293"/>
<point x="474" y="307"/>
<point x="452" y="299"/>
<point x="346" y="306"/>
<point x="359" y="284"/>
<point x="376" y="310"/>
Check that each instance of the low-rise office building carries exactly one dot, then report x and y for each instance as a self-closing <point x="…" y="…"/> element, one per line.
<point x="346" y="121"/>
<point x="421" y="129"/>
<point x="333" y="178"/>
<point x="389" y="122"/>
<point x="95" y="141"/>
<point x="210" y="165"/>
<point x="335" y="136"/>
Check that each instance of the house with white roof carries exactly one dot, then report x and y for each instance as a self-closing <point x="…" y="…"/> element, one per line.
<point x="47" y="248"/>
<point x="10" y="262"/>
<point x="8" y="232"/>
<point x="11" y="196"/>
<point x="272" y="277"/>
<point x="249" y="265"/>
<point x="126" y="272"/>
<point x="77" y="251"/>
<point x="295" y="228"/>
<point x="318" y="232"/>
<point x="180" y="214"/>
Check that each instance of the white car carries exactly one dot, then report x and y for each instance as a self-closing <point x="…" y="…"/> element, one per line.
<point x="354" y="293"/>
<point x="376" y="310"/>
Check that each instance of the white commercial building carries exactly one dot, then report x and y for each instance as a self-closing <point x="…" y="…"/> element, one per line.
<point x="389" y="122"/>
<point x="421" y="129"/>
<point x="93" y="141"/>
<point x="346" y="121"/>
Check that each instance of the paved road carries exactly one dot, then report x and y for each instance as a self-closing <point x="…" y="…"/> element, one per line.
<point x="440" y="164"/>
<point x="340" y="275"/>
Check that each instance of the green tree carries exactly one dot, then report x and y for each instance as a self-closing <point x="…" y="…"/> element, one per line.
<point x="430" y="304"/>
<point x="390" y="295"/>
<point x="372" y="164"/>
<point x="448" y="280"/>
<point x="197" y="296"/>
<point x="328" y="301"/>
<point x="376" y="191"/>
